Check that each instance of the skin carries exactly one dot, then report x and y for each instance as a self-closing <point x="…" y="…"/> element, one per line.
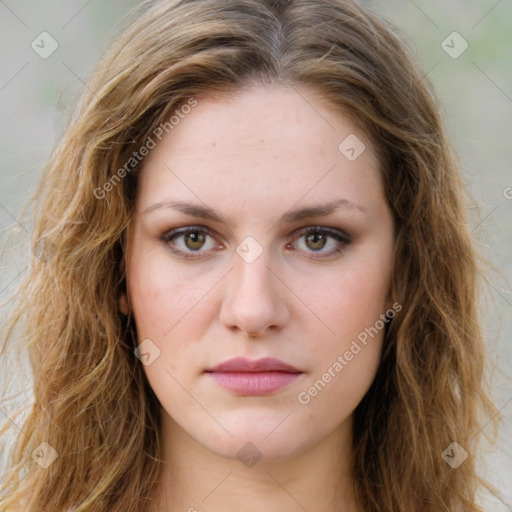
<point x="252" y="157"/>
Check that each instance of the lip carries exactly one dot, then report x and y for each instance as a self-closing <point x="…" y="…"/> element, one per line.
<point x="265" y="364"/>
<point x="251" y="378"/>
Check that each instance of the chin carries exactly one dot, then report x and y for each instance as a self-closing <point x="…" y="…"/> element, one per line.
<point x="256" y="444"/>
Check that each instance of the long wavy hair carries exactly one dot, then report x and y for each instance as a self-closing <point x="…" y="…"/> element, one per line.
<point x="92" y="402"/>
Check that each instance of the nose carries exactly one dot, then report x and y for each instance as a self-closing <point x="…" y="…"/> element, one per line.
<point x="254" y="300"/>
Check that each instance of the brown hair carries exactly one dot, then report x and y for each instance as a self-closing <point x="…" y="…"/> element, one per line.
<point x="93" y="404"/>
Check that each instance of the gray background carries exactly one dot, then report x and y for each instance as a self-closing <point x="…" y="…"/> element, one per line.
<point x="475" y="91"/>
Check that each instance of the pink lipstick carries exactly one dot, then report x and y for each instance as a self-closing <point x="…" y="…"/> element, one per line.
<point x="250" y="378"/>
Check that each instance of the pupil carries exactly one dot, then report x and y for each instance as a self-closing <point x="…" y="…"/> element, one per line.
<point x="315" y="238"/>
<point x="196" y="240"/>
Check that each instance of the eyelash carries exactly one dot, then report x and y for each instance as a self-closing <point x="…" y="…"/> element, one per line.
<point x="341" y="237"/>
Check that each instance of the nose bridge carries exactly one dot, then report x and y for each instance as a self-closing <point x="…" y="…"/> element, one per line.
<point x="252" y="276"/>
<point x="254" y="271"/>
<point x="252" y="301"/>
<point x="253" y="262"/>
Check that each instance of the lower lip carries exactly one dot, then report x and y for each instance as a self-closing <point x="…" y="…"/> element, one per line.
<point x="253" y="383"/>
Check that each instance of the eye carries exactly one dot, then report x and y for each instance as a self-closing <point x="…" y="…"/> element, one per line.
<point x="189" y="242"/>
<point x="316" y="239"/>
<point x="193" y="239"/>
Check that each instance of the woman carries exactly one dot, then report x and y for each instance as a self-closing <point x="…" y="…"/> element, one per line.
<point x="252" y="287"/>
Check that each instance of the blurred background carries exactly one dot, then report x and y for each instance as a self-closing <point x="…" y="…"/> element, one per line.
<point x="49" y="49"/>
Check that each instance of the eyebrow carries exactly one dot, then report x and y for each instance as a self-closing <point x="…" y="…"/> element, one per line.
<point x="203" y="212"/>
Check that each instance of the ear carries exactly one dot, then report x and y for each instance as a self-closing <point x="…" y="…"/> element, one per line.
<point x="123" y="304"/>
<point x="123" y="299"/>
<point x="389" y="300"/>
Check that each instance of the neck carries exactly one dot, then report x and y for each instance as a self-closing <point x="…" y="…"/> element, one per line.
<point x="195" y="479"/>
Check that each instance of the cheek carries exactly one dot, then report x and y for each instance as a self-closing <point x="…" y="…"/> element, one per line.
<point x="346" y="367"/>
<point x="351" y="304"/>
<point x="168" y="310"/>
<point x="162" y="296"/>
<point x="172" y="308"/>
<point x="350" y="299"/>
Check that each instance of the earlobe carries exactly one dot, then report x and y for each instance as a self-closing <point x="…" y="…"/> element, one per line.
<point x="123" y="299"/>
<point x="123" y="304"/>
<point x="389" y="299"/>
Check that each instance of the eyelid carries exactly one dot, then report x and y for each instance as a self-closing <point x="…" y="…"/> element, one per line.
<point x="335" y="232"/>
<point x="171" y="233"/>
<point x="175" y="232"/>
<point x="342" y="237"/>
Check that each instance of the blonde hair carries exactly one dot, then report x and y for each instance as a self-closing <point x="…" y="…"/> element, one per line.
<point x="92" y="401"/>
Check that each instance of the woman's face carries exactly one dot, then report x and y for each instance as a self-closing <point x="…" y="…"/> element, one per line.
<point x="219" y="266"/>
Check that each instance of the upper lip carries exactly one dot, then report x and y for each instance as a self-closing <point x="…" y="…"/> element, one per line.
<point x="242" y="364"/>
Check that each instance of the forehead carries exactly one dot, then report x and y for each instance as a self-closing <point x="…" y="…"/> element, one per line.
<point x="270" y="145"/>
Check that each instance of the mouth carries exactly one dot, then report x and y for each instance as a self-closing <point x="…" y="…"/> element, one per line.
<point x="251" y="378"/>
